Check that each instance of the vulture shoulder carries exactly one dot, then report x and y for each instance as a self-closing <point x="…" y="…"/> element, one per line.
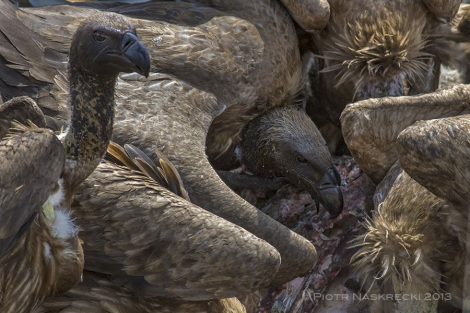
<point x="435" y="153"/>
<point x="371" y="127"/>
<point x="31" y="166"/>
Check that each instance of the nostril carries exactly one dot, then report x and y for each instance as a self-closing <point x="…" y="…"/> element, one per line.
<point x="326" y="185"/>
<point x="126" y="44"/>
<point x="127" y="41"/>
<point x="331" y="179"/>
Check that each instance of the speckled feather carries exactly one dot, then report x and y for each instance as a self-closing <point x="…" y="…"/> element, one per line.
<point x="371" y="127"/>
<point x="47" y="258"/>
<point x="31" y="166"/>
<point x="164" y="125"/>
<point x="370" y="47"/>
<point x="165" y="245"/>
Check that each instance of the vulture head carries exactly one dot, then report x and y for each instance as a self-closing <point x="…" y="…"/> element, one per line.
<point x="113" y="47"/>
<point x="382" y="48"/>
<point x="285" y="142"/>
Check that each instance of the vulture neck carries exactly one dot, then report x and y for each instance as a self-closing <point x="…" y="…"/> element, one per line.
<point x="91" y="99"/>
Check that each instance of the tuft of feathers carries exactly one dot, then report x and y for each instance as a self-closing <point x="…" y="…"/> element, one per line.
<point x="358" y="51"/>
<point x="401" y="250"/>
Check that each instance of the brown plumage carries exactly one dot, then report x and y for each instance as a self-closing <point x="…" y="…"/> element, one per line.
<point x="443" y="9"/>
<point x="371" y="127"/>
<point x="178" y="122"/>
<point x="310" y="15"/>
<point x="36" y="259"/>
<point x="285" y="142"/>
<point x="373" y="49"/>
<point x="435" y="154"/>
<point x="157" y="250"/>
<point x="241" y="86"/>
<point x="19" y="110"/>
<point x="97" y="295"/>
<point x="165" y="174"/>
<point x="44" y="257"/>
<point x="405" y="246"/>
<point x="419" y="231"/>
<point x="217" y="47"/>
<point x="389" y="42"/>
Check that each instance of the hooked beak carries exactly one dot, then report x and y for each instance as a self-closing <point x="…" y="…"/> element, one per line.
<point x="329" y="192"/>
<point x="133" y="56"/>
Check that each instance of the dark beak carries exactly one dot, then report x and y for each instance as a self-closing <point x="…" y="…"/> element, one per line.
<point x="134" y="57"/>
<point x="329" y="192"/>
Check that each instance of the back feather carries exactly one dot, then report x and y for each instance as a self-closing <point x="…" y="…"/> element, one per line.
<point x="135" y="159"/>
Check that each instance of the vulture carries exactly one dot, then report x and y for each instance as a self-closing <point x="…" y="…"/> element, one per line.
<point x="150" y="250"/>
<point x="416" y="241"/>
<point x="41" y="254"/>
<point x="372" y="49"/>
<point x="208" y="59"/>
<point x="244" y="67"/>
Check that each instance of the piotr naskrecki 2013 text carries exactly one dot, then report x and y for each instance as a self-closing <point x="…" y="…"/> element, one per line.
<point x="383" y="297"/>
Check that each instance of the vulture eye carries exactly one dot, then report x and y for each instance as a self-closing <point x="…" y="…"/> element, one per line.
<point x="301" y="160"/>
<point x="100" y="36"/>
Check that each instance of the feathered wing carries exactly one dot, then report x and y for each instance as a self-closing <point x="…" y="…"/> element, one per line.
<point x="30" y="169"/>
<point x="436" y="154"/>
<point x="164" y="173"/>
<point x="174" y="117"/>
<point x="22" y="110"/>
<point x="164" y="125"/>
<point x="96" y="294"/>
<point x="139" y="232"/>
<point x="371" y="127"/>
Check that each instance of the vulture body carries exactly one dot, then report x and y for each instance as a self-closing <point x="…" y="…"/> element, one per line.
<point x="416" y="241"/>
<point x="153" y="250"/>
<point x="180" y="120"/>
<point x="372" y="49"/>
<point x="40" y="252"/>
